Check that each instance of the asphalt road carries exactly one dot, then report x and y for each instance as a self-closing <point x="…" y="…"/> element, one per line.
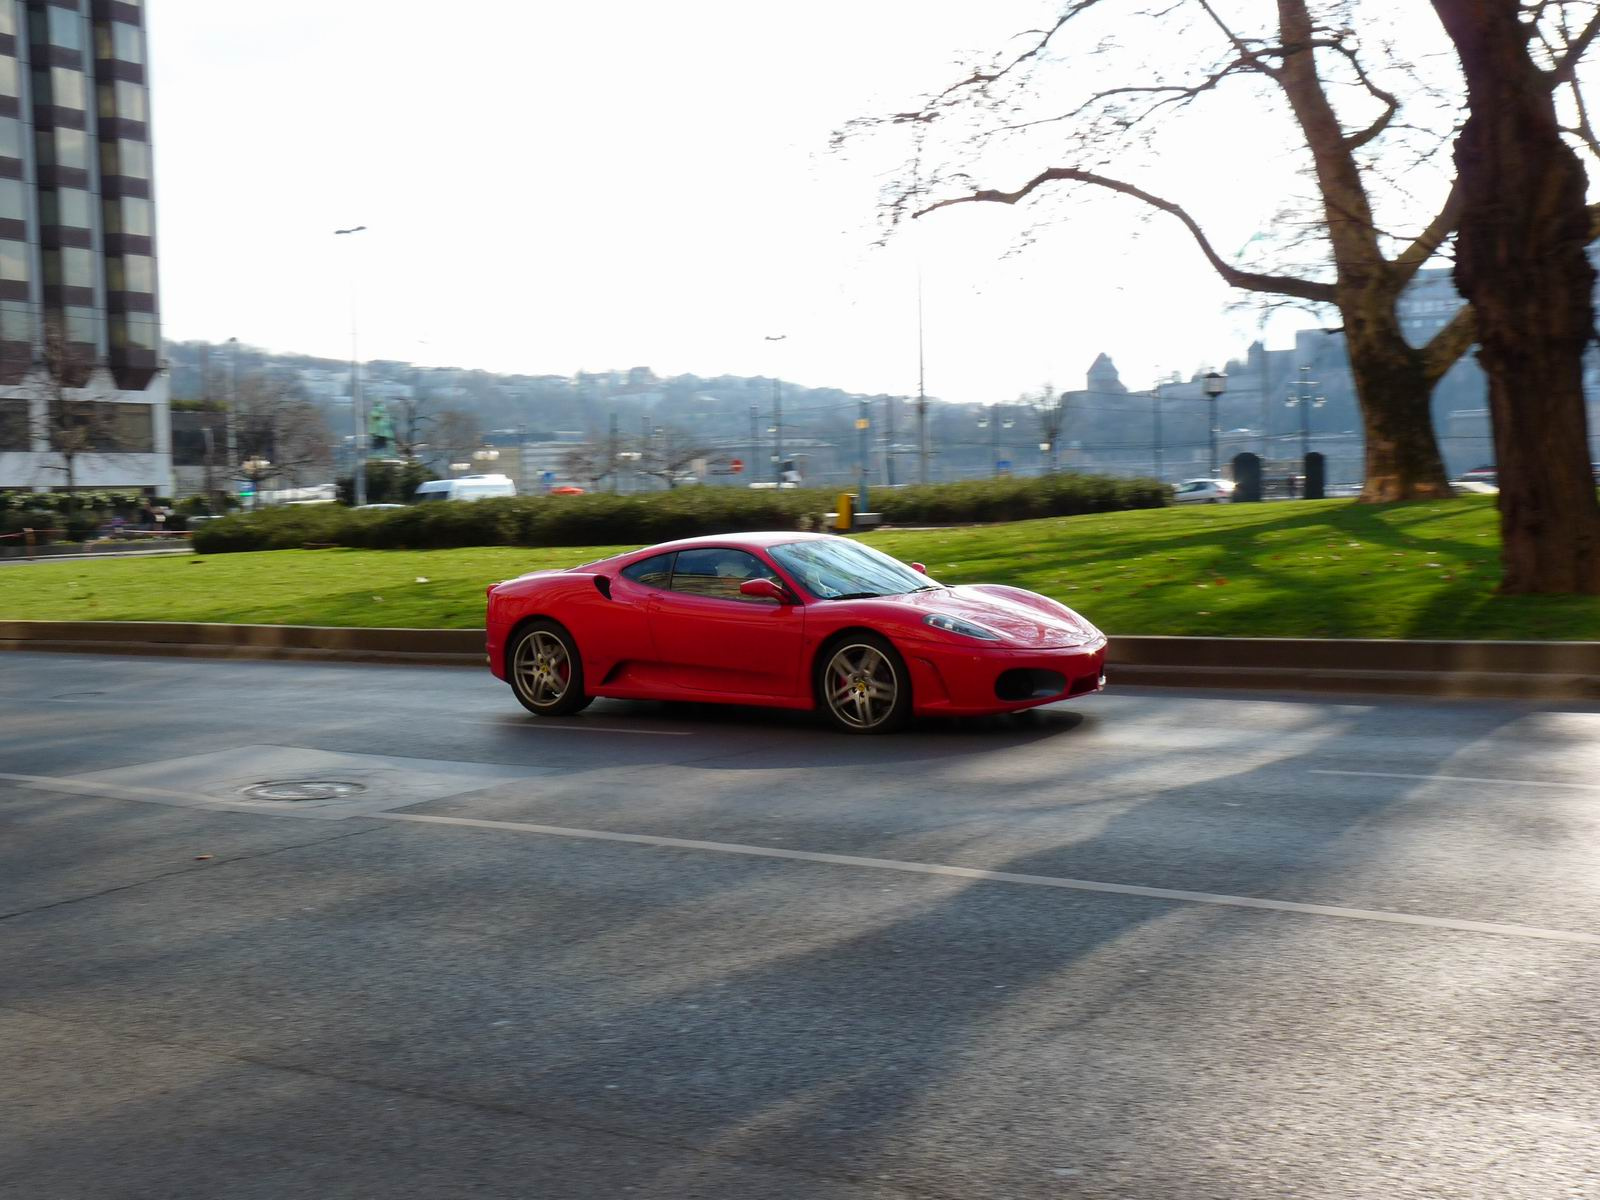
<point x="1144" y="945"/>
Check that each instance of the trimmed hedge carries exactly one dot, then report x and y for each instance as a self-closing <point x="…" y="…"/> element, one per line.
<point x="602" y="519"/>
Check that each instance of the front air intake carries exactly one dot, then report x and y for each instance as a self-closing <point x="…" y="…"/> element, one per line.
<point x="1027" y="683"/>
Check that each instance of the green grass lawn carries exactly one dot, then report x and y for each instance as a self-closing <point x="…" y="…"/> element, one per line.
<point x="1327" y="568"/>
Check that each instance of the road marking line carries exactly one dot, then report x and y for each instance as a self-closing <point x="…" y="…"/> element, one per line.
<point x="1541" y="783"/>
<point x="1051" y="881"/>
<point x="545" y="727"/>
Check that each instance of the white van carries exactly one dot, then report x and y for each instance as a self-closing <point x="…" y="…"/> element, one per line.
<point x="467" y="487"/>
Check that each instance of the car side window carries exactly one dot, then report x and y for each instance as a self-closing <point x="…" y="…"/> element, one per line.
<point x="718" y="573"/>
<point x="653" y="572"/>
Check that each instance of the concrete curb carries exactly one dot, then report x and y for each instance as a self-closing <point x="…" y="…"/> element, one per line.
<point x="436" y="647"/>
<point x="1521" y="670"/>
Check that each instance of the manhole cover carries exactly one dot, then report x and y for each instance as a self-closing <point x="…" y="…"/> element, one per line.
<point x="303" y="789"/>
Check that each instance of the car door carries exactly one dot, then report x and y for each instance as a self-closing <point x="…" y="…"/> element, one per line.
<point x="716" y="640"/>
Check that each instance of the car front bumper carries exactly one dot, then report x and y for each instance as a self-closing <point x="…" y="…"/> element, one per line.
<point x="958" y="680"/>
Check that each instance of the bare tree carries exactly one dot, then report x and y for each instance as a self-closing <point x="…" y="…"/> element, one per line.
<point x="670" y="453"/>
<point x="591" y="463"/>
<point x="1050" y="409"/>
<point x="1520" y="259"/>
<point x="1297" y="63"/>
<point x="414" y="417"/>
<point x="70" y="426"/>
<point x="277" y="425"/>
<point x="456" y="434"/>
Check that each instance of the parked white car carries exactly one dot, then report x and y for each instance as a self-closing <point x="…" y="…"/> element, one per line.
<point x="1203" y="491"/>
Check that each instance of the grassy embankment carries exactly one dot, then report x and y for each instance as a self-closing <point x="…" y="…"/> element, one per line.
<point x="1296" y="569"/>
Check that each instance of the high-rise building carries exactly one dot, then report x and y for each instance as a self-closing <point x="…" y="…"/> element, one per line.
<point x="80" y="343"/>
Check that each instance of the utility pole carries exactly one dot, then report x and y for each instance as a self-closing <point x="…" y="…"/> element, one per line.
<point x="888" y="443"/>
<point x="777" y="429"/>
<point x="611" y="453"/>
<point x="233" y="410"/>
<point x="777" y="415"/>
<point x="1156" y="446"/>
<point x="864" y="450"/>
<point x="359" y="473"/>
<point x="755" y="440"/>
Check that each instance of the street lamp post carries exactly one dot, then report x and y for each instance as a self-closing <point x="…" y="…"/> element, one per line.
<point x="1302" y="399"/>
<point x="359" y="472"/>
<point x="1215" y="384"/>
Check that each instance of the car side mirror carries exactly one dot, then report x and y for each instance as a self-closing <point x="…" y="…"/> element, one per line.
<point x="919" y="568"/>
<point x="763" y="589"/>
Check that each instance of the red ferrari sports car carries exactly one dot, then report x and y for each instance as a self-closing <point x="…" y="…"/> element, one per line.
<point x="788" y="620"/>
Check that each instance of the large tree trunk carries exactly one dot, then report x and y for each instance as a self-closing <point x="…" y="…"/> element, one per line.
<point x="1403" y="461"/>
<point x="1391" y="381"/>
<point x="1520" y="260"/>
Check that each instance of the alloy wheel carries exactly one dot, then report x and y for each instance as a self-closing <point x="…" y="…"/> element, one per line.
<point x="543" y="669"/>
<point x="860" y="686"/>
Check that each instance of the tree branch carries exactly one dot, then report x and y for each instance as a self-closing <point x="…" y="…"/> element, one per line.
<point x="1430" y="239"/>
<point x="1170" y="94"/>
<point x="1450" y="343"/>
<point x="1287" y="285"/>
<point x="1239" y="44"/>
<point x="984" y="78"/>
<point x="1391" y="102"/>
<point x="1567" y="65"/>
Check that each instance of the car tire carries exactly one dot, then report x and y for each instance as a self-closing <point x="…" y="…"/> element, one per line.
<point x="861" y="685"/>
<point x="545" y="670"/>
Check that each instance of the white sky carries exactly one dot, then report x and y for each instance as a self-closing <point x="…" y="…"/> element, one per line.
<point x="551" y="185"/>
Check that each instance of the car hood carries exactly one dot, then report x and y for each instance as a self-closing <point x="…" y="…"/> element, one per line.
<point x="1022" y="618"/>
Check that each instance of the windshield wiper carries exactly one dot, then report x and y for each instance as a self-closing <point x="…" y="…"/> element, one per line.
<point x="856" y="596"/>
<point x="927" y="587"/>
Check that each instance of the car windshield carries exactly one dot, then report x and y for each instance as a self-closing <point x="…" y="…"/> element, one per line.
<point x="834" y="569"/>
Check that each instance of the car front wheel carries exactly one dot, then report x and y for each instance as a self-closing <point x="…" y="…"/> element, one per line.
<point x="546" y="672"/>
<point x="862" y="685"/>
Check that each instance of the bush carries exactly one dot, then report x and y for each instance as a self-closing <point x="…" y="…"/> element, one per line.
<point x="602" y="519"/>
<point x="1016" y="499"/>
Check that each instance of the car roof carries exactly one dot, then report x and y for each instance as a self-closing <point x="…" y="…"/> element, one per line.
<point x="729" y="541"/>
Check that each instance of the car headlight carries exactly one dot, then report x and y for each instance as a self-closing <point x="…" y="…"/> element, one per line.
<point x="956" y="625"/>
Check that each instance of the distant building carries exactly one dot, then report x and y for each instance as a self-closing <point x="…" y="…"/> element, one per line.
<point x="77" y="246"/>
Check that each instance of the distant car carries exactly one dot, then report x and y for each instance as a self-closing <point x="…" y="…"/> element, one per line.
<point x="374" y="507"/>
<point x="1203" y="491"/>
<point x="467" y="487"/>
<point x="785" y="620"/>
<point x="1474" y="487"/>
<point x="566" y="491"/>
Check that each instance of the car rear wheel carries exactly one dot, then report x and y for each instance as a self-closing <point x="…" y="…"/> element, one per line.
<point x="862" y="685"/>
<point x="546" y="672"/>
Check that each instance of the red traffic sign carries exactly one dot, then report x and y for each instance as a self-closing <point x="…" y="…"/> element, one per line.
<point x="736" y="466"/>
